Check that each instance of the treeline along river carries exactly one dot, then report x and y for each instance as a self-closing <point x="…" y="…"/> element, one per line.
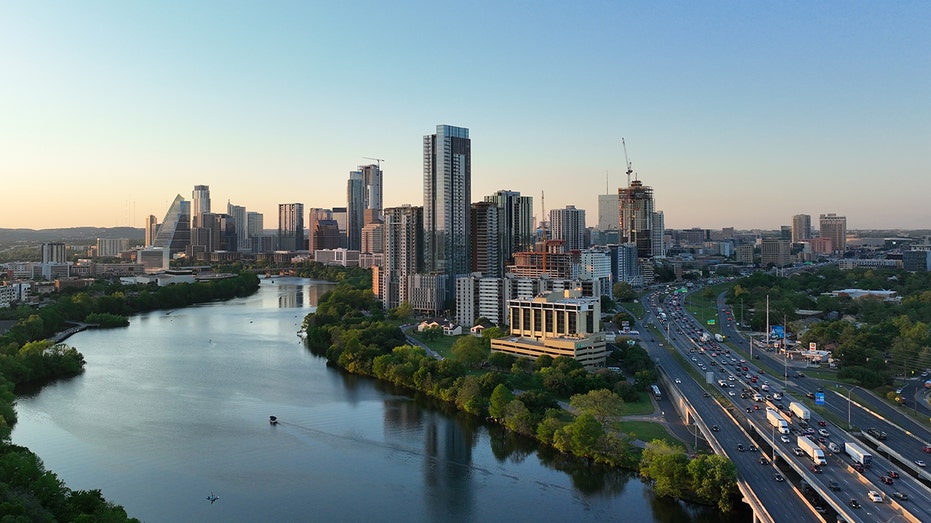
<point x="176" y="407"/>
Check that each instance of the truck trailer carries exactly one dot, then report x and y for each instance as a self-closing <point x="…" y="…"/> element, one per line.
<point x="812" y="450"/>
<point x="776" y="420"/>
<point x="800" y="410"/>
<point x="857" y="454"/>
<point x="719" y="337"/>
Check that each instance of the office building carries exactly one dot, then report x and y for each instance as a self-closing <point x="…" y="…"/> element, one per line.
<point x="447" y="194"/>
<point x="341" y="217"/>
<point x="372" y="189"/>
<point x="487" y="231"/>
<point x="558" y="324"/>
<point x="291" y="226"/>
<point x="915" y="260"/>
<point x="835" y="227"/>
<point x="373" y="238"/>
<point x="658" y="235"/>
<point x="174" y="234"/>
<point x="744" y="254"/>
<point x="255" y="224"/>
<point x="151" y="227"/>
<point x="238" y="214"/>
<point x="517" y="218"/>
<point x="200" y="198"/>
<point x="801" y="228"/>
<point x="774" y="251"/>
<point x="609" y="212"/>
<point x="568" y="225"/>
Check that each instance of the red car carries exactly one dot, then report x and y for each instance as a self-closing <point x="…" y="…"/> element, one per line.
<point x="927" y="448"/>
<point x="893" y="474"/>
<point x="886" y="479"/>
<point x="821" y="423"/>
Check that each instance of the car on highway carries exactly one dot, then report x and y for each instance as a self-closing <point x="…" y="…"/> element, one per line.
<point x="893" y="474"/>
<point x="731" y="393"/>
<point x="784" y="438"/>
<point x="901" y="496"/>
<point x="814" y="468"/>
<point x="752" y="448"/>
<point x="740" y="447"/>
<point x="763" y="460"/>
<point x="706" y="395"/>
<point x="715" y="428"/>
<point x="886" y="479"/>
<point x="833" y="485"/>
<point x="926" y="448"/>
<point x="920" y="462"/>
<point x="854" y="503"/>
<point x="798" y="451"/>
<point x="874" y="496"/>
<point x="858" y="467"/>
<point x="821" y="423"/>
<point x="824" y="433"/>
<point x="778" y="477"/>
<point x="678" y="380"/>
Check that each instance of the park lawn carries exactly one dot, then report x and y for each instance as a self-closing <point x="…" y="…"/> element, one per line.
<point x="636" y="309"/>
<point x="644" y="406"/>
<point x="648" y="431"/>
<point x="442" y="345"/>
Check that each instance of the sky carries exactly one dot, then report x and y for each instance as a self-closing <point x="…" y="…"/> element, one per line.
<point x="738" y="114"/>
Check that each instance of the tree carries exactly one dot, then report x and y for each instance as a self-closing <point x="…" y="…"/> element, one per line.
<point x="579" y="437"/>
<point x="604" y="405"/>
<point x="666" y="465"/>
<point x="491" y="333"/>
<point x="518" y="418"/>
<point x="714" y="479"/>
<point x="469" y="350"/>
<point x="500" y="397"/>
<point x="623" y="291"/>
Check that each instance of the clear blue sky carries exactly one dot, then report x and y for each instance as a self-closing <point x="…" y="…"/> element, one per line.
<point x="736" y="113"/>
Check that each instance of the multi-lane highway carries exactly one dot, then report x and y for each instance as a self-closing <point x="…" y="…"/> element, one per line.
<point x="833" y="487"/>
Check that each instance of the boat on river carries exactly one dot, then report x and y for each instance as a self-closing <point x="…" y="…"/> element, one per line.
<point x="273" y="420"/>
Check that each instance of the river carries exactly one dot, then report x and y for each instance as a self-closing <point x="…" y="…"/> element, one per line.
<point x="175" y="407"/>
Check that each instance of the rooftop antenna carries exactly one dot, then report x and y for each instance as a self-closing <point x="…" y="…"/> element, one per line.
<point x="379" y="160"/>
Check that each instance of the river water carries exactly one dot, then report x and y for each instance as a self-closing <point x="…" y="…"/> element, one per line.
<point x="175" y="407"/>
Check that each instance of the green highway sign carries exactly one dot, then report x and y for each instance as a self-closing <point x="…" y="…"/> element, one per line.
<point x="712" y="322"/>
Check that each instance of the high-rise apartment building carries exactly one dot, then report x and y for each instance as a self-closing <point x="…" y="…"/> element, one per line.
<point x="487" y="231"/>
<point x="111" y="247"/>
<point x="174" y="233"/>
<point x="801" y="228"/>
<point x="447" y="195"/>
<point x="835" y="227"/>
<point x="372" y="184"/>
<point x="255" y="224"/>
<point x="517" y="218"/>
<point x="609" y="212"/>
<point x="636" y="217"/>
<point x="568" y="225"/>
<point x="404" y="243"/>
<point x="341" y="216"/>
<point x="658" y="235"/>
<point x="291" y="226"/>
<point x="200" y="197"/>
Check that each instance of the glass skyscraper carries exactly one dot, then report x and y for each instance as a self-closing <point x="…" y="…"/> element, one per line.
<point x="447" y="195"/>
<point x="174" y="233"/>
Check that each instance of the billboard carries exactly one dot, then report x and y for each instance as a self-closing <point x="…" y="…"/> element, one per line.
<point x="777" y="331"/>
<point x="819" y="398"/>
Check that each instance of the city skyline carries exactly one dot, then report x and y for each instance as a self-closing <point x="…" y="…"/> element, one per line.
<point x="738" y="115"/>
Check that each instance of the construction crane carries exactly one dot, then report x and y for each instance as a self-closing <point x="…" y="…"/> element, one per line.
<point x="626" y="161"/>
<point x="379" y="160"/>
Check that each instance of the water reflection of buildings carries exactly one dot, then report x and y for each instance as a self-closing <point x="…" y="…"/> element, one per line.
<point x="290" y="296"/>
<point x="447" y="455"/>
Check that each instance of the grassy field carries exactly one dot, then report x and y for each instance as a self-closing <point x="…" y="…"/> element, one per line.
<point x="644" y="406"/>
<point x="647" y="431"/>
<point x="442" y="345"/>
<point x="635" y="308"/>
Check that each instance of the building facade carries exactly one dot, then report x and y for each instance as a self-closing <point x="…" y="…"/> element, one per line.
<point x="291" y="226"/>
<point x="517" y="215"/>
<point x="568" y="225"/>
<point x="174" y="233"/>
<point x="801" y="228"/>
<point x="834" y="227"/>
<point x="447" y="195"/>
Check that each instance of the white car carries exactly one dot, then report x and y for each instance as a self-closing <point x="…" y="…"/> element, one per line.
<point x="784" y="438"/>
<point x="678" y="380"/>
<point x="731" y="393"/>
<point x="874" y="496"/>
<point x="920" y="462"/>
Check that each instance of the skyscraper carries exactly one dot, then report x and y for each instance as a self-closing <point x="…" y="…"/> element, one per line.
<point x="201" y="203"/>
<point x="447" y="194"/>
<point x="636" y="217"/>
<point x="238" y="214"/>
<point x="517" y="218"/>
<point x="372" y="183"/>
<point x="355" y="210"/>
<point x="609" y="208"/>
<point x="568" y="225"/>
<point x="54" y="252"/>
<point x="801" y="228"/>
<point x="174" y="233"/>
<point x="291" y="226"/>
<point x="151" y="227"/>
<point x="835" y="228"/>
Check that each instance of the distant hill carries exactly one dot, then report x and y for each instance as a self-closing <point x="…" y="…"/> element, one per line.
<point x="74" y="235"/>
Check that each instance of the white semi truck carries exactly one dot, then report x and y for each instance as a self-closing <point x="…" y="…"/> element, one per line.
<point x="857" y="454"/>
<point x="800" y="410"/>
<point x="776" y="420"/>
<point x="812" y="450"/>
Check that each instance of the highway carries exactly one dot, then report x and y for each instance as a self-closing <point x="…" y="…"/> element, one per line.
<point x="684" y="333"/>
